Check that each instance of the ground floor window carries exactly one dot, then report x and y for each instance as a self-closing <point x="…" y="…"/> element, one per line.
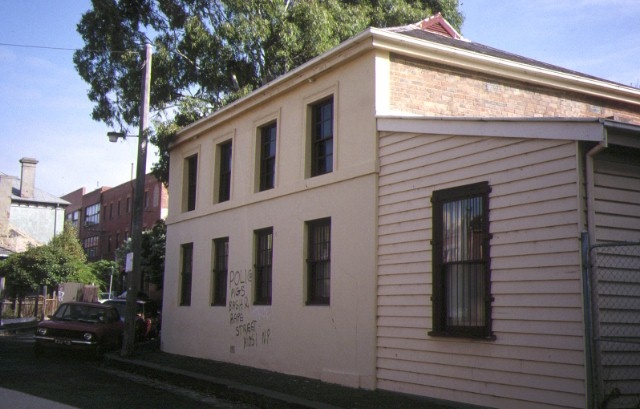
<point x="319" y="262"/>
<point x="461" y="282"/>
<point x="186" y="274"/>
<point x="220" y="271"/>
<point x="263" y="265"/>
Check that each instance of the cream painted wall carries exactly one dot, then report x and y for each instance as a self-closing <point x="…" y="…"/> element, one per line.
<point x="335" y="343"/>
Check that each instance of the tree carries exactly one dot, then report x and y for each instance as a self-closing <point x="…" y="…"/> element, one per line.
<point x="107" y="273"/>
<point x="153" y="250"/>
<point x="59" y="261"/>
<point x="210" y="52"/>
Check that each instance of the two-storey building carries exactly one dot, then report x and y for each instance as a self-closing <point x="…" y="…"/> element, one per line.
<point x="29" y="216"/>
<point x="405" y="212"/>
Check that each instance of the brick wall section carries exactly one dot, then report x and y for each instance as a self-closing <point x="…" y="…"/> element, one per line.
<point x="430" y="89"/>
<point x="117" y="211"/>
<point x="116" y="207"/>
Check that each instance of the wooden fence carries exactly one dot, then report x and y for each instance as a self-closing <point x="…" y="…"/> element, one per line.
<point x="33" y="306"/>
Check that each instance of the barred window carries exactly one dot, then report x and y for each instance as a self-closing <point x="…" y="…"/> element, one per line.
<point x="264" y="259"/>
<point x="461" y="275"/>
<point x="224" y="172"/>
<point x="190" y="183"/>
<point x="186" y="274"/>
<point x="319" y="262"/>
<point x="268" y="156"/>
<point x="322" y="137"/>
<point x="220" y="270"/>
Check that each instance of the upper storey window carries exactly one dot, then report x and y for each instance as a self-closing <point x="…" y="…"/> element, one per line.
<point x="224" y="171"/>
<point x="190" y="183"/>
<point x="322" y="137"/>
<point x="268" y="156"/>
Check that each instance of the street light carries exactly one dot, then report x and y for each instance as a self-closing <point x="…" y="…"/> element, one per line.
<point x="133" y="282"/>
<point x="114" y="136"/>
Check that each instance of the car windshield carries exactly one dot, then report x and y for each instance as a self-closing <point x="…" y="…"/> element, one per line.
<point x="84" y="313"/>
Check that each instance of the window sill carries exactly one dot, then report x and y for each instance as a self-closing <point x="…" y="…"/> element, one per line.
<point x="445" y="334"/>
<point x="318" y="303"/>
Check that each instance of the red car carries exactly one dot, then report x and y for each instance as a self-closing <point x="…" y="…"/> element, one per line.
<point x="90" y="327"/>
<point x="147" y="317"/>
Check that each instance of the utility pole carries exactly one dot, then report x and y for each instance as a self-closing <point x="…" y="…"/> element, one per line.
<point x="133" y="283"/>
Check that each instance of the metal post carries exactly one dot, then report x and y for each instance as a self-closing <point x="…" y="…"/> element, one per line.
<point x="588" y="318"/>
<point x="133" y="284"/>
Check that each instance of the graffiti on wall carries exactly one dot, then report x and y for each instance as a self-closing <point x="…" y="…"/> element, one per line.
<point x="245" y="326"/>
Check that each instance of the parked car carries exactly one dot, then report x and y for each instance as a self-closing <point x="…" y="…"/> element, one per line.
<point x="90" y="327"/>
<point x="147" y="317"/>
<point x="102" y="297"/>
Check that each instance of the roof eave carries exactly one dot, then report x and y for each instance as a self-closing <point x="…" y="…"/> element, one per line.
<point x="306" y="72"/>
<point x="375" y="38"/>
<point x="575" y="129"/>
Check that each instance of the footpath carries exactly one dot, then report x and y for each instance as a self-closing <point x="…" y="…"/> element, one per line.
<point x="265" y="389"/>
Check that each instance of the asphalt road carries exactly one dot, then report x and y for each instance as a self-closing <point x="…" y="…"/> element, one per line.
<point x="67" y="381"/>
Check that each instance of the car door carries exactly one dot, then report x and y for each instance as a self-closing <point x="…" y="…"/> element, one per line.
<point x="113" y="327"/>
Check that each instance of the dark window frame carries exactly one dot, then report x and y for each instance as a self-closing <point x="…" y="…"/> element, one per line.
<point x="191" y="167"/>
<point x="220" y="271"/>
<point x="322" y="136"/>
<point x="263" y="266"/>
<point x="319" y="262"/>
<point x="92" y="214"/>
<point x="225" y="150"/>
<point x="268" y="140"/>
<point x="186" y="274"/>
<point x="461" y="262"/>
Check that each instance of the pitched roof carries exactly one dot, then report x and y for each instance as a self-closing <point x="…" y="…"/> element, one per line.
<point x="438" y="25"/>
<point x="430" y="29"/>
<point x="5" y="252"/>
<point x="39" y="195"/>
<point x="413" y="40"/>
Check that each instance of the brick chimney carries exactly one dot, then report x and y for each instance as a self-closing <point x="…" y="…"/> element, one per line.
<point x="28" y="177"/>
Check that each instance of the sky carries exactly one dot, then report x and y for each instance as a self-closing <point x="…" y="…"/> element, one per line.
<point x="46" y="114"/>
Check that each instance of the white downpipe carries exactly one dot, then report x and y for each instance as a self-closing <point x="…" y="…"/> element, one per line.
<point x="591" y="356"/>
<point x="590" y="187"/>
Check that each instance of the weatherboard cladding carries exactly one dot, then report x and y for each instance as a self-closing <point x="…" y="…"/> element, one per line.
<point x="617" y="195"/>
<point x="536" y="359"/>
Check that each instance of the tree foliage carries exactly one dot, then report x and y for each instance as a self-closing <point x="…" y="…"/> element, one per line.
<point x="106" y="271"/>
<point x="59" y="261"/>
<point x="153" y="250"/>
<point x="210" y="52"/>
<point x="152" y="255"/>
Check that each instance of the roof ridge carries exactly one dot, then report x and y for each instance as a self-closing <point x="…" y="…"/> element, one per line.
<point x="435" y="24"/>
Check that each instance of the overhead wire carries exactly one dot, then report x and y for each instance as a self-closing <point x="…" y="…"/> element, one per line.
<point x="67" y="49"/>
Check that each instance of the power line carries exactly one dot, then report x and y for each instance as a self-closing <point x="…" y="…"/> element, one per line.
<point x="65" y="49"/>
